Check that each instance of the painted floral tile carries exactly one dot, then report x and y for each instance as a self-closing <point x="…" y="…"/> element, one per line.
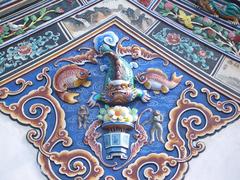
<point x="190" y="50"/>
<point x="17" y="56"/>
<point x="112" y="91"/>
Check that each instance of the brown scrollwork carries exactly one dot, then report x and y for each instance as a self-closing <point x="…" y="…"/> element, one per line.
<point x="192" y="148"/>
<point x="5" y="92"/>
<point x="37" y="136"/>
<point x="159" y="160"/>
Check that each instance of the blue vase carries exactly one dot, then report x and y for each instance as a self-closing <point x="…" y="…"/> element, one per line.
<point x="117" y="139"/>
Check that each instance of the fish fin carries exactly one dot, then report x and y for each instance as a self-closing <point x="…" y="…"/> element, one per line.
<point x="87" y="84"/>
<point x="157" y="71"/>
<point x="148" y="85"/>
<point x="175" y="80"/>
<point x="68" y="97"/>
<point x="77" y="83"/>
<point x="164" y="89"/>
<point x="156" y="92"/>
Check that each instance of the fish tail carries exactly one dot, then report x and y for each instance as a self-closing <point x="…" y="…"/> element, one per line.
<point x="68" y="97"/>
<point x="175" y="80"/>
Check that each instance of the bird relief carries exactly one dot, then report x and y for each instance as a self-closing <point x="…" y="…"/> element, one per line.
<point x="118" y="122"/>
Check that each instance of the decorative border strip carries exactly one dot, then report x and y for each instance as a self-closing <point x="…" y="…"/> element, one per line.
<point x="135" y="33"/>
<point x="184" y="30"/>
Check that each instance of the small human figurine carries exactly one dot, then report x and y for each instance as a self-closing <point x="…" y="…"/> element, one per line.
<point x="83" y="115"/>
<point x="156" y="129"/>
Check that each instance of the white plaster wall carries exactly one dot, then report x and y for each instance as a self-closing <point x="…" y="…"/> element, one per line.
<point x="220" y="160"/>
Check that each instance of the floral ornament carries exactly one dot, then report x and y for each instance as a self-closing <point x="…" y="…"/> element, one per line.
<point x="118" y="114"/>
<point x="184" y="46"/>
<point x="168" y="6"/>
<point x="1" y="30"/>
<point x="227" y="40"/>
<point x="202" y="53"/>
<point x="27" y="50"/>
<point x="146" y="3"/>
<point x="29" y="22"/>
<point x="173" y="38"/>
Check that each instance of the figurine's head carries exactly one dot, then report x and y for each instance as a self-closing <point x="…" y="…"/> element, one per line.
<point x="156" y="113"/>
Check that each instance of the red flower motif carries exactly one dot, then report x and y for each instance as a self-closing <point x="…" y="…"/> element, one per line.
<point x="168" y="6"/>
<point x="234" y="37"/>
<point x="202" y="53"/>
<point x="1" y="30"/>
<point x="25" y="50"/>
<point x="146" y="3"/>
<point x="211" y="33"/>
<point x="173" y="38"/>
<point x="231" y="35"/>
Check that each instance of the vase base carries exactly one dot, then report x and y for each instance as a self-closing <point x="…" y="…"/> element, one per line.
<point x="112" y="155"/>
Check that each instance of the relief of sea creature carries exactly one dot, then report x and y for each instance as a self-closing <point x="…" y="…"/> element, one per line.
<point x="88" y="57"/>
<point x="156" y="80"/>
<point x="70" y="76"/>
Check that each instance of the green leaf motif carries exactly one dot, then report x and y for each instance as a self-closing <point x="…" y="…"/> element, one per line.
<point x="102" y="111"/>
<point x="225" y="33"/>
<point x="175" y="9"/>
<point x="43" y="11"/>
<point x="6" y="28"/>
<point x="100" y="117"/>
<point x="26" y="19"/>
<point x="33" y="18"/>
<point x="106" y="106"/>
<point x="20" y="31"/>
<point x="46" y="18"/>
<point x="161" y="6"/>
<point x="197" y="30"/>
<point x="33" y="27"/>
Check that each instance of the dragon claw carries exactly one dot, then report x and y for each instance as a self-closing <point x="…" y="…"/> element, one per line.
<point x="146" y="97"/>
<point x="92" y="102"/>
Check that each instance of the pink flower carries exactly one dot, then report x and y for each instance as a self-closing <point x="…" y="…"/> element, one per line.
<point x="168" y="6"/>
<point x="207" y="20"/>
<point x="1" y="30"/>
<point x="59" y="10"/>
<point x="202" y="53"/>
<point x="25" y="50"/>
<point x="231" y="35"/>
<point x="173" y="38"/>
<point x="211" y="33"/>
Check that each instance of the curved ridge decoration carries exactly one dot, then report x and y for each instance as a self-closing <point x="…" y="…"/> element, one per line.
<point x="186" y="151"/>
<point x="37" y="135"/>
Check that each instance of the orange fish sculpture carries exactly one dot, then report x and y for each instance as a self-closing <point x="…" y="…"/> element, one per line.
<point x="156" y="80"/>
<point x="67" y="77"/>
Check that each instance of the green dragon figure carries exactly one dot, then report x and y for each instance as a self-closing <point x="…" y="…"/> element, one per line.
<point x="119" y="87"/>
